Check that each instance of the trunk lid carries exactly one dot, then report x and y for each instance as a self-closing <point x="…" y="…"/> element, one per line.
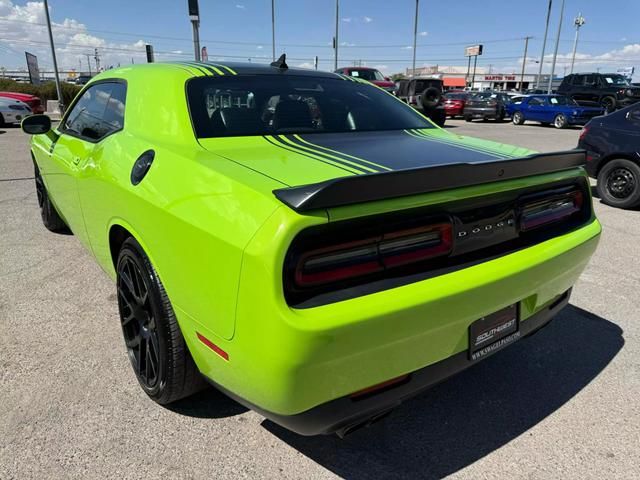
<point x="303" y="159"/>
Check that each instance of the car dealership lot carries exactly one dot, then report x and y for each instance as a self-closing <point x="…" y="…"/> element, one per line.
<point x="563" y="403"/>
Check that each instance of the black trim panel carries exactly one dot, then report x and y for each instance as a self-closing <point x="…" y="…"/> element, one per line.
<point x="381" y="186"/>
<point x="341" y="414"/>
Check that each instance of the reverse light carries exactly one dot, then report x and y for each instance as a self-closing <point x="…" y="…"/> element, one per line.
<point x="372" y="255"/>
<point x="550" y="210"/>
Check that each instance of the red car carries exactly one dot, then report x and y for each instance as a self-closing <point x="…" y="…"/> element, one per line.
<point x="35" y="104"/>
<point x="454" y="103"/>
<point x="371" y="74"/>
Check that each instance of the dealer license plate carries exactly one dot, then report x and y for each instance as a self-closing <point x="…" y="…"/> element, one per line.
<point x="493" y="332"/>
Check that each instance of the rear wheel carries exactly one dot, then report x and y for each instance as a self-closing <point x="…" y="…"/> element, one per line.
<point x="560" y="121"/>
<point x="518" y="118"/>
<point x="467" y="118"/>
<point x="50" y="217"/>
<point x="619" y="183"/>
<point x="1" y="121"/>
<point x="157" y="351"/>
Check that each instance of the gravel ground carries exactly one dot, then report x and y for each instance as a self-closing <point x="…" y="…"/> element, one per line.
<point x="562" y="404"/>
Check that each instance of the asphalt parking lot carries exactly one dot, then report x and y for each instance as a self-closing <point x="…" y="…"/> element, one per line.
<point x="561" y="404"/>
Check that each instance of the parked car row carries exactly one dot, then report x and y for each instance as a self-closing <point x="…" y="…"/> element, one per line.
<point x="12" y="111"/>
<point x="34" y="103"/>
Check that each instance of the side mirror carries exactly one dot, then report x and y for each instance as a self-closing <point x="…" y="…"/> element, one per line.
<point x="36" y="124"/>
<point x="634" y="115"/>
<point x="387" y="79"/>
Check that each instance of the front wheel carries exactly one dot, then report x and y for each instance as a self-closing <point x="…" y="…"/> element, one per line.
<point x="155" y="345"/>
<point x="467" y="118"/>
<point x="560" y="121"/>
<point x="609" y="104"/>
<point x="518" y="118"/>
<point x="50" y="217"/>
<point x="619" y="183"/>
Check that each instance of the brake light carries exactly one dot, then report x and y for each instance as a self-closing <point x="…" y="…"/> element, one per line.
<point x="551" y="210"/>
<point x="583" y="132"/>
<point x="371" y="255"/>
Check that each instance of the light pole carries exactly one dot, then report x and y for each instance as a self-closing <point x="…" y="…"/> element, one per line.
<point x="555" y="53"/>
<point x="335" y="39"/>
<point x="524" y="62"/>
<point x="194" y="16"/>
<point x="415" y="38"/>
<point x="273" y="29"/>
<point x="578" y="22"/>
<point x="544" y="44"/>
<point x="53" y="56"/>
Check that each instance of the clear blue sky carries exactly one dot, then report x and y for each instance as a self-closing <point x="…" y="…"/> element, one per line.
<point x="378" y="32"/>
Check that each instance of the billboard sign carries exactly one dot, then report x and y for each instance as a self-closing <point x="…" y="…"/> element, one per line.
<point x="32" y="65"/>
<point x="473" y="50"/>
<point x="626" y="71"/>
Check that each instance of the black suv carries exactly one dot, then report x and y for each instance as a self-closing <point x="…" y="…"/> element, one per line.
<point x="609" y="90"/>
<point x="425" y="95"/>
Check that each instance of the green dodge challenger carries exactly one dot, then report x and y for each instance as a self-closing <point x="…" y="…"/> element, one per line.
<point x="303" y="240"/>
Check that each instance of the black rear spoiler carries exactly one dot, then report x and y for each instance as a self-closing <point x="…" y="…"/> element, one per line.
<point x="400" y="183"/>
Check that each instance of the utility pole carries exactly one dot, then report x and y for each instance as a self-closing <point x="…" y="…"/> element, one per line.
<point x="335" y="38"/>
<point x="473" y="78"/>
<point x="53" y="56"/>
<point x="555" y="53"/>
<point x="97" y="59"/>
<point x="578" y="22"/>
<point x="273" y="29"/>
<point x="89" y="63"/>
<point x="194" y="16"/>
<point x="544" y="43"/>
<point x="524" y="62"/>
<point x="415" y="38"/>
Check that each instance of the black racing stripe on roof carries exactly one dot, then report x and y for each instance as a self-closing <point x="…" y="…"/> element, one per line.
<point x="195" y="67"/>
<point x="396" y="150"/>
<point x="278" y="143"/>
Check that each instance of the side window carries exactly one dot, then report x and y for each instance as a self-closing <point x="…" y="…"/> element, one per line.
<point x="589" y="80"/>
<point x="534" y="102"/>
<point x="578" y="80"/>
<point x="98" y="113"/>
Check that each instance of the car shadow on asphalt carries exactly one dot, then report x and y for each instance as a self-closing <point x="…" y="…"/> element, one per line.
<point x="476" y="412"/>
<point x="210" y="403"/>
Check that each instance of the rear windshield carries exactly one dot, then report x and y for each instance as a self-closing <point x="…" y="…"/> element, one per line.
<point x="456" y="96"/>
<point x="367" y="74"/>
<point x="271" y="104"/>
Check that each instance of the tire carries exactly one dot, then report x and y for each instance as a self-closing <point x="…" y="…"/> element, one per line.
<point x="500" y="117"/>
<point x="619" y="183"/>
<point x="430" y="97"/>
<point x="518" y="118"/>
<point x="609" y="104"/>
<point x="560" y="121"/>
<point x="2" y="124"/>
<point x="50" y="217"/>
<point x="155" y="345"/>
<point x="467" y="118"/>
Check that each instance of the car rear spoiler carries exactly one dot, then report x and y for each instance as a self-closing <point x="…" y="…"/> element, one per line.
<point x="400" y="183"/>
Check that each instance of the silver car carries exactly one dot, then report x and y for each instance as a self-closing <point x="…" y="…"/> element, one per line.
<point x="12" y="111"/>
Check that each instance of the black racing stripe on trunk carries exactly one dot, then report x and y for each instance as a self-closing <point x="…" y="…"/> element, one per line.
<point x="290" y="149"/>
<point x="324" y="157"/>
<point x="396" y="150"/>
<point x="353" y="162"/>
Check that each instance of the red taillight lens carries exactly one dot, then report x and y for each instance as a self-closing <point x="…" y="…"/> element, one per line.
<point x="583" y="132"/>
<point x="372" y="255"/>
<point x="544" y="212"/>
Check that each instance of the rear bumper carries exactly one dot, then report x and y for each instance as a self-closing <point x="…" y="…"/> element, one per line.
<point x="491" y="112"/>
<point x="344" y="414"/>
<point x="286" y="361"/>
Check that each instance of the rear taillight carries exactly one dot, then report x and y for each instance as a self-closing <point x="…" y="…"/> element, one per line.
<point x="551" y="210"/>
<point x="372" y="255"/>
<point x="583" y="132"/>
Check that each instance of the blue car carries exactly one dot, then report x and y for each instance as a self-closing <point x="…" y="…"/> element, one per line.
<point x="547" y="109"/>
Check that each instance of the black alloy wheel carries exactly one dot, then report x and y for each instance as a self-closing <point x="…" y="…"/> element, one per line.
<point x="139" y="325"/>
<point x="155" y="345"/>
<point x="50" y="217"/>
<point x="609" y="104"/>
<point x="619" y="183"/>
